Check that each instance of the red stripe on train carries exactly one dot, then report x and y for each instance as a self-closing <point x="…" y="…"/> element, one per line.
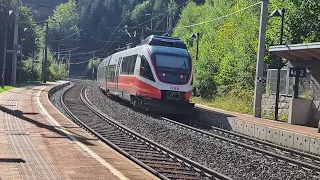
<point x="137" y="87"/>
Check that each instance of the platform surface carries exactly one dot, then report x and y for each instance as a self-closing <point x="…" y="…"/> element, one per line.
<point x="42" y="143"/>
<point x="294" y="136"/>
<point x="270" y="123"/>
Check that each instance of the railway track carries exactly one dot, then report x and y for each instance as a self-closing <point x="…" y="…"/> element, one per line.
<point x="155" y="158"/>
<point x="307" y="161"/>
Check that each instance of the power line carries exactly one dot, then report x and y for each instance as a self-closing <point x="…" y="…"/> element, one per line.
<point x="114" y="31"/>
<point x="130" y="27"/>
<point x="151" y="19"/>
<point x="138" y="24"/>
<point x="72" y="35"/>
<point x="167" y="12"/>
<point x="81" y="62"/>
<point x="67" y="50"/>
<point x="113" y="43"/>
<point x="219" y="17"/>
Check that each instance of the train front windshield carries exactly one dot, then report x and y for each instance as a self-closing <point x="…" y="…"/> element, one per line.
<point x="173" y="69"/>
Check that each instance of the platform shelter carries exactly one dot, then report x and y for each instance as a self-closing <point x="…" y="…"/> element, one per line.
<point x="300" y="58"/>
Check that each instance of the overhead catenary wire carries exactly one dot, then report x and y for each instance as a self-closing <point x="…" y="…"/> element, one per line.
<point x="90" y="52"/>
<point x="122" y="33"/>
<point x="114" y="32"/>
<point x="80" y="62"/>
<point x="72" y="35"/>
<point x="162" y="14"/>
<point x="67" y="50"/>
<point x="112" y="44"/>
<point x="227" y="15"/>
<point x="152" y="19"/>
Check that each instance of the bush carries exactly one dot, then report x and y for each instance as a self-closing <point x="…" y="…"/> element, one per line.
<point x="56" y="71"/>
<point x="27" y="70"/>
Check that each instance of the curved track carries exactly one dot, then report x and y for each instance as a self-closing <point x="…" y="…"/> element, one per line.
<point x="157" y="159"/>
<point x="308" y="161"/>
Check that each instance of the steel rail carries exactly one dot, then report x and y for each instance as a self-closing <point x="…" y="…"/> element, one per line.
<point x="260" y="141"/>
<point x="192" y="165"/>
<point x="311" y="156"/>
<point x="310" y="166"/>
<point x="90" y="130"/>
<point x="174" y="155"/>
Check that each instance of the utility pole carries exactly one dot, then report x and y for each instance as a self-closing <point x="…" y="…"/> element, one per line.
<point x="151" y="22"/>
<point x="142" y="35"/>
<point x="59" y="44"/>
<point x="15" y="41"/>
<point x="32" y="65"/>
<point x="198" y="38"/>
<point x="260" y="59"/>
<point x="68" y="64"/>
<point x="170" y="23"/>
<point x="45" y="73"/>
<point x="21" y="55"/>
<point x="68" y="68"/>
<point x="4" y="46"/>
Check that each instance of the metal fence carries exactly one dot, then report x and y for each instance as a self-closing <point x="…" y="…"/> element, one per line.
<point x="286" y="83"/>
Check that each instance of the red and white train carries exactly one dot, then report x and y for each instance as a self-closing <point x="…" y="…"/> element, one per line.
<point x="156" y="75"/>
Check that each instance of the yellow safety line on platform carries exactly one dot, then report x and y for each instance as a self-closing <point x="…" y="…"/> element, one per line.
<point x="52" y="121"/>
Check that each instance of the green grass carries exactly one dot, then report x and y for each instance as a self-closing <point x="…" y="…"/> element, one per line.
<point x="229" y="103"/>
<point x="6" y="88"/>
<point x="281" y="117"/>
<point x="235" y="104"/>
<point x="28" y="83"/>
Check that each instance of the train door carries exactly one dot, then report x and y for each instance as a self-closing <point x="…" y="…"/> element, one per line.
<point x="117" y="76"/>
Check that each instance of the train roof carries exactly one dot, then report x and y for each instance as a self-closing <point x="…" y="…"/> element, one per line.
<point x="154" y="40"/>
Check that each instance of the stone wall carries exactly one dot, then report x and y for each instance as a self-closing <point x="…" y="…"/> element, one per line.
<point x="309" y="84"/>
<point x="268" y="105"/>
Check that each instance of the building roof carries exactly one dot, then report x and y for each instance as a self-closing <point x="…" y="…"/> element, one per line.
<point x="298" y="52"/>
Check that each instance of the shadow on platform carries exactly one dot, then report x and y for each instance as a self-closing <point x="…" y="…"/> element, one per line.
<point x="20" y="115"/>
<point x="12" y="160"/>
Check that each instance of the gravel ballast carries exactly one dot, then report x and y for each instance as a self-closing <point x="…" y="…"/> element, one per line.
<point x="231" y="160"/>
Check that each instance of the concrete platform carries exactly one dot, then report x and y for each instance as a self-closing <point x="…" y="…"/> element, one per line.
<point x="294" y="136"/>
<point x="39" y="142"/>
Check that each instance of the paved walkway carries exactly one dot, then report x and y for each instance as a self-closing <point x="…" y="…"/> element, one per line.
<point x="39" y="142"/>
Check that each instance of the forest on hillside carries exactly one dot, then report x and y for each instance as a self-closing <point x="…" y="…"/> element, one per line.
<point x="87" y="30"/>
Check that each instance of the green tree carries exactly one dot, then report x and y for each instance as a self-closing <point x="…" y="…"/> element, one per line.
<point x="93" y="64"/>
<point x="101" y="29"/>
<point x="140" y="10"/>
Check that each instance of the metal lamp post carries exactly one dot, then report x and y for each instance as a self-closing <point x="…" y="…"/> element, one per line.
<point x="33" y="61"/>
<point x="5" y="45"/>
<point x="278" y="13"/>
<point x="197" y="36"/>
<point x="21" y="55"/>
<point x="151" y="15"/>
<point x="45" y="63"/>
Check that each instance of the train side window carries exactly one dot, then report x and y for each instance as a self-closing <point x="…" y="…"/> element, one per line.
<point x="123" y="66"/>
<point x="128" y="64"/>
<point x="145" y="70"/>
<point x="133" y="64"/>
<point x="111" y="71"/>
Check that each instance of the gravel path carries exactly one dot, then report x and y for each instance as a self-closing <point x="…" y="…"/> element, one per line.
<point x="231" y="160"/>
